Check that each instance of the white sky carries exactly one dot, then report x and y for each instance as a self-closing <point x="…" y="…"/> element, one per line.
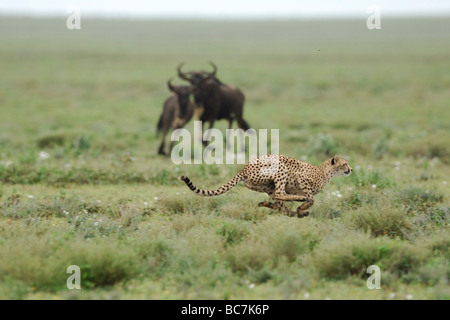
<point x="225" y="8"/>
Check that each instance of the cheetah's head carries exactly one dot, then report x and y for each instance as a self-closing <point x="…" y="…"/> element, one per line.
<point x="340" y="166"/>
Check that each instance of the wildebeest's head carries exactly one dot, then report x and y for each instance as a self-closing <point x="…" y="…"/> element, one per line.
<point x="183" y="93"/>
<point x="196" y="77"/>
<point x="198" y="80"/>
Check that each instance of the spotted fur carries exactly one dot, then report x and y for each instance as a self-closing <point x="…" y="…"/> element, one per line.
<point x="283" y="179"/>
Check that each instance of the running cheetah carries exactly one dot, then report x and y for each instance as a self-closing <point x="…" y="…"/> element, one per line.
<point x="283" y="179"/>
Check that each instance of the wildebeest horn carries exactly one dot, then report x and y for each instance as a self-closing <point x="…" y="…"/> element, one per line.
<point x="181" y="74"/>
<point x="213" y="73"/>
<point x="169" y="85"/>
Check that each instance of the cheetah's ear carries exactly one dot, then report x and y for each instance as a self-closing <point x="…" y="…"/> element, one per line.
<point x="334" y="160"/>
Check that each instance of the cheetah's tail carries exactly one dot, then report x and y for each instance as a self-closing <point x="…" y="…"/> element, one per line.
<point x="216" y="192"/>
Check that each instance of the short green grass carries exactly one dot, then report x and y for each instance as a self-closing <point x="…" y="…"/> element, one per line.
<point x="81" y="183"/>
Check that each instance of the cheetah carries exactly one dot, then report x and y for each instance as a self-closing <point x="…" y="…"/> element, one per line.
<point x="283" y="179"/>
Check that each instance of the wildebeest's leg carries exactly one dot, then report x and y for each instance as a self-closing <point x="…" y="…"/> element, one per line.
<point x="230" y="125"/>
<point x="241" y="122"/>
<point x="172" y="142"/>
<point x="205" y="141"/>
<point x="161" y="146"/>
<point x="244" y="126"/>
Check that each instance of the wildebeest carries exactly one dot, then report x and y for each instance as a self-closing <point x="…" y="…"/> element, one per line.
<point x="218" y="100"/>
<point x="177" y="111"/>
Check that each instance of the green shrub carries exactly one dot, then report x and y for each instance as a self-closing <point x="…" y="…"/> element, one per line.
<point x="186" y="203"/>
<point x="57" y="176"/>
<point x="352" y="255"/>
<point x="251" y="255"/>
<point x="371" y="178"/>
<point x="158" y="254"/>
<point x="429" y="147"/>
<point x="381" y="220"/>
<point x="439" y="243"/>
<point x="81" y="144"/>
<point x="435" y="272"/>
<point x="40" y="259"/>
<point x="363" y="197"/>
<point x="346" y="257"/>
<point x="416" y="199"/>
<point x="103" y="263"/>
<point x="238" y="210"/>
<point x="51" y="140"/>
<point x="232" y="232"/>
<point x="380" y="148"/>
<point x="275" y="240"/>
<point x="404" y="260"/>
<point x="322" y="145"/>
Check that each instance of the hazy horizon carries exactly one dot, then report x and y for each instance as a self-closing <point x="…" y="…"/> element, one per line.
<point x="232" y="9"/>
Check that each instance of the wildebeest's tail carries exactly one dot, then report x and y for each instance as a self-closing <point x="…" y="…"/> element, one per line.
<point x="216" y="192"/>
<point x="159" y="126"/>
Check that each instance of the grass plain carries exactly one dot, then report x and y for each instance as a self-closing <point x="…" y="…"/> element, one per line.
<point x="81" y="183"/>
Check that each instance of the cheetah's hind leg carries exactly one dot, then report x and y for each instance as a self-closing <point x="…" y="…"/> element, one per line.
<point x="280" y="206"/>
<point x="302" y="213"/>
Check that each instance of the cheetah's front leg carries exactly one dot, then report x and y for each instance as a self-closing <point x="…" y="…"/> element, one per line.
<point x="302" y="211"/>
<point x="280" y="192"/>
<point x="280" y="206"/>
